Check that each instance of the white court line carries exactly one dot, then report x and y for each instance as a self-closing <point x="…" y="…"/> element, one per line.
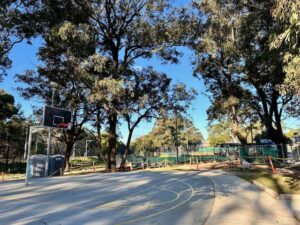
<point x="144" y="205"/>
<point x="164" y="211"/>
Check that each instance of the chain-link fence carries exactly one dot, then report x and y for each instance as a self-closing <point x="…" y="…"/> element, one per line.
<point x="255" y="154"/>
<point x="294" y="153"/>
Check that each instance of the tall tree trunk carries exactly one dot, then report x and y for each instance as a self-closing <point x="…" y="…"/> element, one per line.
<point x="124" y="157"/>
<point x="99" y="141"/>
<point x="277" y="136"/>
<point x="272" y="122"/>
<point x="99" y="138"/>
<point x="68" y="154"/>
<point x="112" y="141"/>
<point x="236" y="127"/>
<point x="7" y="157"/>
<point x="237" y="133"/>
<point x="270" y="111"/>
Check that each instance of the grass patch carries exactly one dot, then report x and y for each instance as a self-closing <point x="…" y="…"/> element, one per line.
<point x="280" y="183"/>
<point x="85" y="170"/>
<point x="12" y="176"/>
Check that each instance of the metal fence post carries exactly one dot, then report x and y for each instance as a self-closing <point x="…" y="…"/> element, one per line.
<point x="28" y="157"/>
<point x="282" y="153"/>
<point x="255" y="154"/>
<point x="263" y="153"/>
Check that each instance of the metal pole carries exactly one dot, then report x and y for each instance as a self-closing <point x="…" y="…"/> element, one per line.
<point x="48" y="151"/>
<point x="74" y="150"/>
<point x="187" y="143"/>
<point x="86" y="146"/>
<point x="176" y="138"/>
<point x="28" y="157"/>
<point x="36" y="143"/>
<point x="26" y="143"/>
<point x="263" y="153"/>
<point x="49" y="136"/>
<point x="86" y="143"/>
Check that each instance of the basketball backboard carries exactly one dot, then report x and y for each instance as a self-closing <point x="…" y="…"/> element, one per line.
<point x="53" y="117"/>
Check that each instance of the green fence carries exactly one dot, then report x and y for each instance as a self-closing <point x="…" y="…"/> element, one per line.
<point x="17" y="167"/>
<point x="252" y="153"/>
<point x="259" y="154"/>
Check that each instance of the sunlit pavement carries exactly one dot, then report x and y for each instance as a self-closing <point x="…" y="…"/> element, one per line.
<point x="239" y="202"/>
<point x="144" y="197"/>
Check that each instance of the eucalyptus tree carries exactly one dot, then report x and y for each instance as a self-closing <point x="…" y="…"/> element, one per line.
<point x="95" y="44"/>
<point x="60" y="58"/>
<point x="7" y="106"/>
<point x="220" y="133"/>
<point x="16" y="20"/>
<point x="68" y="94"/>
<point x="163" y="134"/>
<point x="287" y="13"/>
<point x="264" y="68"/>
<point x="125" y="31"/>
<point x="219" y="64"/>
<point x="145" y="96"/>
<point x="60" y="53"/>
<point x="238" y="67"/>
<point x="149" y="95"/>
<point x="286" y="40"/>
<point x="12" y="139"/>
<point x="12" y="129"/>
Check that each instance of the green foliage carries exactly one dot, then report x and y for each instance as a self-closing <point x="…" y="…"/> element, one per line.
<point x="241" y="72"/>
<point x="12" y="139"/>
<point x="169" y="132"/>
<point x="12" y="130"/>
<point x="7" y="106"/>
<point x="287" y="13"/>
<point x="219" y="134"/>
<point x="16" y="21"/>
<point x="220" y="65"/>
<point x="91" y="48"/>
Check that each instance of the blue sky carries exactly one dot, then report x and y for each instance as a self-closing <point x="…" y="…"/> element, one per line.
<point x="24" y="57"/>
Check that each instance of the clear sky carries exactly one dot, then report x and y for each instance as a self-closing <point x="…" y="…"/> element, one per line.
<point x="24" y="57"/>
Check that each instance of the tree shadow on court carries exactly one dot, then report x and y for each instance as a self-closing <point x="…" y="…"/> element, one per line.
<point x="84" y="199"/>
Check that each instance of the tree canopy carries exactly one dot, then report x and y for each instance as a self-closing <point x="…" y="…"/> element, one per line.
<point x="167" y="133"/>
<point x="90" y="49"/>
<point x="7" y="105"/>
<point x="242" y="73"/>
<point x="245" y="52"/>
<point x="16" y="24"/>
<point x="287" y="13"/>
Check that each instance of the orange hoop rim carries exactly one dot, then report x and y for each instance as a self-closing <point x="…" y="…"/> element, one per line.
<point x="63" y="125"/>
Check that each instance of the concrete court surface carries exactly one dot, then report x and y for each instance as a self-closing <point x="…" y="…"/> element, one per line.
<point x="175" y="198"/>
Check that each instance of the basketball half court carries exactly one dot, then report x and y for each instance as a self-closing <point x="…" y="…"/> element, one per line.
<point x="169" y="198"/>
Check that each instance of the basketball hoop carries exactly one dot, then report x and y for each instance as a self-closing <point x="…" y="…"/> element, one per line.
<point x="56" y="117"/>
